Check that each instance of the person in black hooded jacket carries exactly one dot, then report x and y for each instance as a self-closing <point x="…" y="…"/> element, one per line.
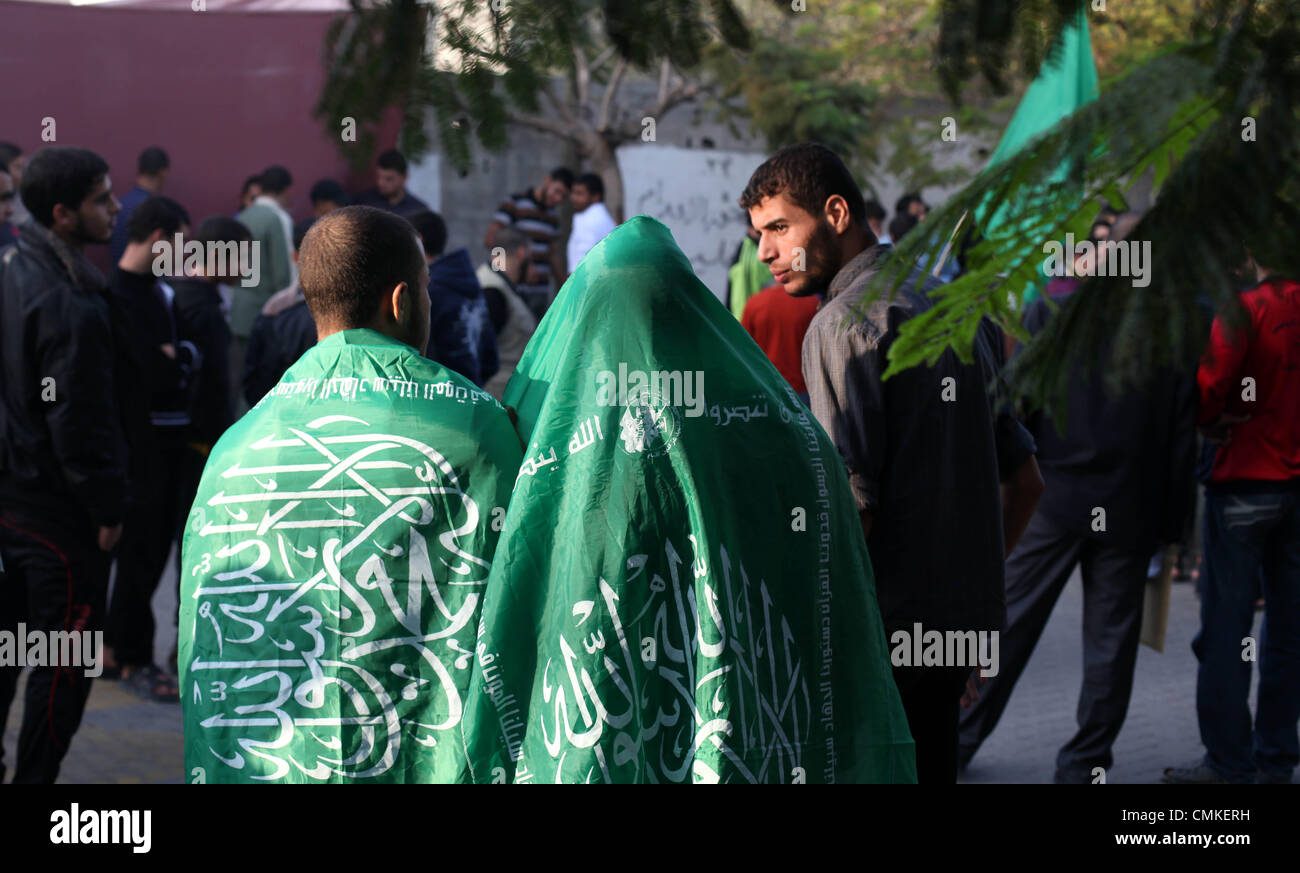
<point x="63" y="478"/>
<point x="282" y="333"/>
<point x="461" y="335"/>
<point x="158" y="403"/>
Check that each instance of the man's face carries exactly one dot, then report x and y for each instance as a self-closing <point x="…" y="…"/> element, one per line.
<point x="323" y="207"/>
<point x="918" y="210"/>
<point x="93" y="220"/>
<point x="7" y="196"/>
<point x="16" y="170"/>
<point x="581" y="197"/>
<point x="801" y="250"/>
<point x="553" y="192"/>
<point x="251" y="193"/>
<point x="389" y="182"/>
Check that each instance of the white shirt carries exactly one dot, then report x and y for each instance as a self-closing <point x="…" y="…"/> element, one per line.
<point x="590" y="226"/>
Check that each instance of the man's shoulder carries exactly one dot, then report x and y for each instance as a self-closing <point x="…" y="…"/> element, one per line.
<point x="32" y="272"/>
<point x="870" y="310"/>
<point x="257" y="215"/>
<point x="134" y="198"/>
<point x="411" y="204"/>
<point x="1271" y="292"/>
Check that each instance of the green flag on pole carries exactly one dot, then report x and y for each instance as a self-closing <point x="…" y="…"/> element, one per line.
<point x="1063" y="84"/>
<point x="681" y="591"/>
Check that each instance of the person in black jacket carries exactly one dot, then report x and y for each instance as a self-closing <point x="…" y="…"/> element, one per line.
<point x="461" y="336"/>
<point x="63" y="478"/>
<point x="281" y="334"/>
<point x="201" y="320"/>
<point x="1119" y="484"/>
<point x="157" y="435"/>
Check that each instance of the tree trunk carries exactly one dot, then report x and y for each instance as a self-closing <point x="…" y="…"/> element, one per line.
<point x="605" y="164"/>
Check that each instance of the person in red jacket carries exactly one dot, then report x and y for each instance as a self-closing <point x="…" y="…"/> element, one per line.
<point x="777" y="322"/>
<point x="1249" y="381"/>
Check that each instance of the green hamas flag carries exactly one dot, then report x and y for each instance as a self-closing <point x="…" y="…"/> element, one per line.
<point x="333" y="569"/>
<point x="681" y="591"/>
<point x="1064" y="83"/>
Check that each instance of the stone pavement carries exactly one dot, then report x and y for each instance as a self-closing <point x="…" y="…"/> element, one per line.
<point x="1160" y="730"/>
<point x="123" y="739"/>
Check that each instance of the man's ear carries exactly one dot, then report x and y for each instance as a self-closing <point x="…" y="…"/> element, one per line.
<point x="400" y="302"/>
<point x="62" y="216"/>
<point x="837" y="213"/>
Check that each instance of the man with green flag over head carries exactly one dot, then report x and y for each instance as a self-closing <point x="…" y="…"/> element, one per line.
<point x="681" y="592"/>
<point x="336" y="556"/>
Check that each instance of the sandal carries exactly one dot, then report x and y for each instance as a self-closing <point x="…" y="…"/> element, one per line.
<point x="150" y="683"/>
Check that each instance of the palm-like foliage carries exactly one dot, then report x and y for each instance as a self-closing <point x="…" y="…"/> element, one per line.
<point x="1180" y="115"/>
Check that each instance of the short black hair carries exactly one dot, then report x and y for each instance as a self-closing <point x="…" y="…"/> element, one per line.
<point x="592" y="183"/>
<point x="153" y="161"/>
<point x="511" y="239"/>
<point x="223" y="229"/>
<point x="808" y="174"/>
<point x="432" y="230"/>
<point x="255" y="179"/>
<point x="60" y="174"/>
<point x="562" y="174"/>
<point x="900" y="225"/>
<point x="156" y="213"/>
<point x="8" y="153"/>
<point x="275" y="179"/>
<point x="351" y="258"/>
<point x="392" y="160"/>
<point x="905" y="202"/>
<point x="875" y="210"/>
<point x="328" y="189"/>
<point x="300" y="231"/>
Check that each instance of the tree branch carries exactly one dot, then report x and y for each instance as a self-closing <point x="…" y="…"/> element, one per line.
<point x="582" y="74"/>
<point x="600" y="59"/>
<point x="541" y="123"/>
<point x="561" y="108"/>
<point x="683" y="93"/>
<point x="607" y="99"/>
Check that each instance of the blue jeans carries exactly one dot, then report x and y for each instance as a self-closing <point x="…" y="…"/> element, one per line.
<point x="1250" y="540"/>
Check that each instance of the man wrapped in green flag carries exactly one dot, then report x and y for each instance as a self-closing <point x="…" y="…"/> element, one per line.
<point x="681" y="592"/>
<point x="336" y="556"/>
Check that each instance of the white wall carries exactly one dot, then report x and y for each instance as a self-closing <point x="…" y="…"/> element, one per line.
<point x="694" y="192"/>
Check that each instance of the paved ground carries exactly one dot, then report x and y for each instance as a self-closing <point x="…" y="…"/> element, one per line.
<point x="123" y="739"/>
<point x="1160" y="730"/>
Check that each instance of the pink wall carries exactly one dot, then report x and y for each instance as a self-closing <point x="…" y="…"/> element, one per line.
<point x="225" y="94"/>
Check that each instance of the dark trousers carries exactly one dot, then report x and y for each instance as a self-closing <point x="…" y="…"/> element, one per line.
<point x="1114" y="581"/>
<point x="54" y="581"/>
<point x="147" y="534"/>
<point x="931" y="697"/>
<point x="1249" y="538"/>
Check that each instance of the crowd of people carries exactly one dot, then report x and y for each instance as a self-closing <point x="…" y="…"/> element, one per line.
<point x="114" y="391"/>
<point x="148" y="367"/>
